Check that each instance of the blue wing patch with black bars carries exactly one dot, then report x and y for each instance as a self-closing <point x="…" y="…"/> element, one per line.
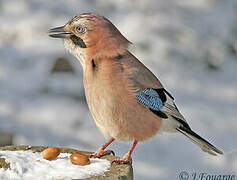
<point x="150" y="98"/>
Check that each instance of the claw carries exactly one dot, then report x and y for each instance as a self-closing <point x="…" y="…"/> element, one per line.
<point x="99" y="154"/>
<point x="124" y="160"/>
<point x="112" y="152"/>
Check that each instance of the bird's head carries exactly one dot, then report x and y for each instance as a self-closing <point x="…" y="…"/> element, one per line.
<point x="91" y="35"/>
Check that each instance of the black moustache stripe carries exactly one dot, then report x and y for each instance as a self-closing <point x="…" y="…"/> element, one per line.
<point x="78" y="41"/>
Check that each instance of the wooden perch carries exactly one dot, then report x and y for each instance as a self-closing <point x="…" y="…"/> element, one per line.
<point x="116" y="172"/>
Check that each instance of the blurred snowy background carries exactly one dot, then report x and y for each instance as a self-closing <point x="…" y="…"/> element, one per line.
<point x="190" y="45"/>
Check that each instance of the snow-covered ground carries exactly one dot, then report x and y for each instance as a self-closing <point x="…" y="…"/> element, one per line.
<point x="190" y="45"/>
<point x="30" y="165"/>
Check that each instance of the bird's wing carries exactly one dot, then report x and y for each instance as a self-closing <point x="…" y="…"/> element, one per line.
<point x="150" y="92"/>
<point x="140" y="76"/>
<point x="160" y="102"/>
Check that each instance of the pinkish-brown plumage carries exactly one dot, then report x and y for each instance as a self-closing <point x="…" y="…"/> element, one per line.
<point x="116" y="84"/>
<point x="114" y="107"/>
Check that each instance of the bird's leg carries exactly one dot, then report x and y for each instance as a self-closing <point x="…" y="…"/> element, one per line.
<point x="127" y="157"/>
<point x="100" y="152"/>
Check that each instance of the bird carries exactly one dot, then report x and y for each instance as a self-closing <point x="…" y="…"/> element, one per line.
<point x="126" y="100"/>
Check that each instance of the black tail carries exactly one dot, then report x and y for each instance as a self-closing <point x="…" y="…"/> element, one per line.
<point x="202" y="143"/>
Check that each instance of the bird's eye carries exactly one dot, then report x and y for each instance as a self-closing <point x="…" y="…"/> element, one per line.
<point x="81" y="29"/>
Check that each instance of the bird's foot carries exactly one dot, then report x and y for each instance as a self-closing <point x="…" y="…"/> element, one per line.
<point x="99" y="153"/>
<point x="126" y="159"/>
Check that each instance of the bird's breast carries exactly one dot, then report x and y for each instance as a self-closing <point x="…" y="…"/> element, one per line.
<point x="111" y="99"/>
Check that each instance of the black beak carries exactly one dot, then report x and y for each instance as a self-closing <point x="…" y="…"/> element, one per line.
<point x="59" y="32"/>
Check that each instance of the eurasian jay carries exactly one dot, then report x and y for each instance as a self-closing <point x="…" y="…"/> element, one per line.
<point x="125" y="98"/>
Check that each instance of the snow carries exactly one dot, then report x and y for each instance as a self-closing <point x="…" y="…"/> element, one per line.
<point x="30" y="165"/>
<point x="178" y="40"/>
